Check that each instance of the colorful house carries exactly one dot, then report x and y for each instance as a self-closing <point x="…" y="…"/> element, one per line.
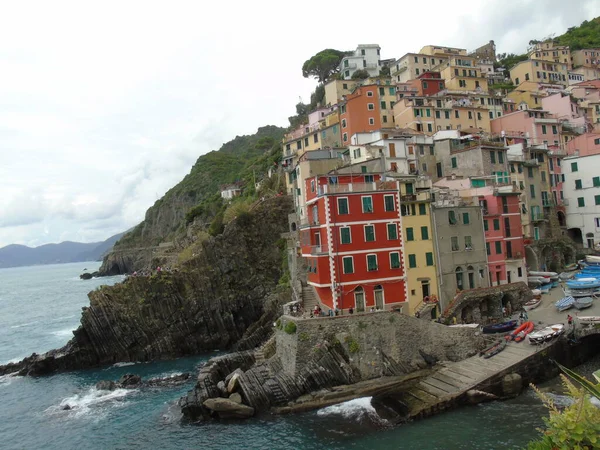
<point x="351" y="240"/>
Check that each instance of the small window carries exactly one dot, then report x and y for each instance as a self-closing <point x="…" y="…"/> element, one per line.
<point x="342" y="205"/>
<point x="410" y="236"/>
<point x="596" y="181"/>
<point x="452" y="218"/>
<point x="369" y="178"/>
<point x="580" y="201"/>
<point x="422" y="209"/>
<point x="369" y="233"/>
<point x="412" y="261"/>
<point x="597" y="200"/>
<point x="493" y="157"/>
<point x="454" y="163"/>
<point x="370" y="106"/>
<point x="573" y="167"/>
<point x="345" y="235"/>
<point x="578" y="184"/>
<point x="496" y="224"/>
<point x="392" y="231"/>
<point x="485" y="225"/>
<point x="429" y="258"/>
<point x="367" y="204"/>
<point x="500" y="157"/>
<point x="389" y="203"/>
<point x="466" y="218"/>
<point x="498" y="247"/>
<point x="371" y="263"/>
<point x="424" y="233"/>
<point x="468" y="243"/>
<point x="348" y="264"/>
<point x="395" y="260"/>
<point x="454" y="243"/>
<point x="370" y="94"/>
<point x="487" y="248"/>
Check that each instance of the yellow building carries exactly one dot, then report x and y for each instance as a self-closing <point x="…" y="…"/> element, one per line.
<point x="440" y="50"/>
<point x="418" y="241"/>
<point x="586" y="57"/>
<point x="531" y="93"/>
<point x="540" y="72"/>
<point x="335" y="89"/>
<point x="462" y="73"/>
<point x="548" y="51"/>
<point x="411" y="65"/>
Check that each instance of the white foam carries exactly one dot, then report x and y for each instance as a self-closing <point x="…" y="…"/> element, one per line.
<point x="357" y="409"/>
<point x="7" y="379"/>
<point x="92" y="401"/>
<point x="21" y="325"/>
<point x="122" y="364"/>
<point x="63" y="333"/>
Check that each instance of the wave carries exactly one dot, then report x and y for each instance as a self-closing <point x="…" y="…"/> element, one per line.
<point x="21" y="325"/>
<point x="358" y="409"/>
<point x="7" y="379"/>
<point x="92" y="401"/>
<point x="122" y="364"/>
<point x="67" y="332"/>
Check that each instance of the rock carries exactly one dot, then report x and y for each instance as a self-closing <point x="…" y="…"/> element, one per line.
<point x="86" y="276"/>
<point x="228" y="377"/>
<point x="66" y="408"/>
<point x="222" y="388"/>
<point x="474" y="396"/>
<point x="305" y="398"/>
<point x="227" y="409"/>
<point x="106" y="385"/>
<point x="169" y="381"/>
<point x="512" y="384"/>
<point x="130" y="380"/>
<point x="236" y="398"/>
<point x="233" y="383"/>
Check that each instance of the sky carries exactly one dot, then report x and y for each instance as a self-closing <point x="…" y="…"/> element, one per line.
<point x="106" y="105"/>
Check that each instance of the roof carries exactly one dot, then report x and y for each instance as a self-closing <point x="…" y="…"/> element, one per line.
<point x="593" y="83"/>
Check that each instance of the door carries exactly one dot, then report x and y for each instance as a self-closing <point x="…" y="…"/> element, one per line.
<point x="318" y="241"/>
<point x="498" y="278"/>
<point x="315" y="215"/>
<point x="359" y="299"/>
<point x="425" y="288"/>
<point x="392" y="150"/>
<point x="378" y="298"/>
<point x="508" y="278"/>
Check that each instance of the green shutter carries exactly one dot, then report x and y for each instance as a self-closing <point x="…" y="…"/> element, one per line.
<point x="395" y="260"/>
<point x="371" y="262"/>
<point x="487" y="248"/>
<point x="422" y="209"/>
<point x="363" y="169"/>
<point x="466" y="218"/>
<point x="453" y="160"/>
<point x="409" y="188"/>
<point x="412" y="261"/>
<point x="369" y="233"/>
<point x="348" y="265"/>
<point x="389" y="203"/>
<point x="392" y="230"/>
<point x="596" y="181"/>
<point x="345" y="235"/>
<point x="581" y="201"/>
<point x="367" y="204"/>
<point x="498" y="247"/>
<point x="496" y="224"/>
<point x="409" y="234"/>
<point x="485" y="225"/>
<point x="578" y="184"/>
<point x="424" y="233"/>
<point x="342" y="206"/>
<point x="573" y="167"/>
<point x="597" y="199"/>
<point x="429" y="258"/>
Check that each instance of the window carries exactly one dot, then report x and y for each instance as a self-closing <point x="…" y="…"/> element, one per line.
<point x="487" y="248"/>
<point x="532" y="190"/>
<point x="530" y="172"/>
<point x="371" y="263"/>
<point x="348" y="264"/>
<point x="580" y="201"/>
<point x="388" y="201"/>
<point x="342" y="205"/>
<point x="470" y="114"/>
<point x="424" y="233"/>
<point x="452" y="218"/>
<point x="438" y="115"/>
<point x="382" y="104"/>
<point x="410" y="236"/>
<point x="446" y="114"/>
<point x="422" y="209"/>
<point x="384" y="119"/>
<point x="543" y="129"/>
<point x="491" y="114"/>
<point x="543" y="175"/>
<point x="370" y="94"/>
<point x="315" y="138"/>
<point x="345" y="235"/>
<point x="578" y="184"/>
<point x="453" y="161"/>
<point x="596" y="181"/>
<point x="412" y="261"/>
<point x="429" y="128"/>
<point x="496" y="224"/>
<point x="381" y="91"/>
<point x="429" y="258"/>
<point x="597" y="199"/>
<point x="459" y="278"/>
<point x="456" y="114"/>
<point x="438" y="168"/>
<point x="498" y="247"/>
<point x="485" y="225"/>
<point x="554" y="129"/>
<point x="312" y="185"/>
<point x="371" y="121"/>
<point x="500" y="158"/>
<point x="392" y="231"/>
<point x="369" y="233"/>
<point x="394" y="260"/>
<point x="367" y="204"/>
<point x="345" y="137"/>
<point x="493" y="157"/>
<point x="573" y="167"/>
<point x="466" y="218"/>
<point x="468" y="243"/>
<point x="370" y="106"/>
<point x="454" y="243"/>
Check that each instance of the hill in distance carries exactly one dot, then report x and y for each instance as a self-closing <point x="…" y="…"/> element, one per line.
<point x="64" y="252"/>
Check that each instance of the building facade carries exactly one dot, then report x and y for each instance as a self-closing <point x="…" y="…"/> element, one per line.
<point x="365" y="57"/>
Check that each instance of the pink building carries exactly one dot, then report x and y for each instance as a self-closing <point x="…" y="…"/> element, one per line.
<point x="537" y="126"/>
<point x="584" y="145"/>
<point x="564" y="107"/>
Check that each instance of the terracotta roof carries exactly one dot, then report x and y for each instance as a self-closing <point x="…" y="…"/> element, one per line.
<point x="594" y="83"/>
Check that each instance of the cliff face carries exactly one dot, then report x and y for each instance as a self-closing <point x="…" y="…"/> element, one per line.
<point x="206" y="305"/>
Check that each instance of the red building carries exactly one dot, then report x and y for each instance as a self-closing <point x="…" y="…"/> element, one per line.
<point x="503" y="234"/>
<point x="352" y="241"/>
<point x="360" y="113"/>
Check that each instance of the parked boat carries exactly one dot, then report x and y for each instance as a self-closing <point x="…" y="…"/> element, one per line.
<point x="536" y="292"/>
<point x="542" y="274"/>
<point x="564" y="276"/>
<point x="592" y="259"/>
<point x="546" y="334"/>
<point x="581" y="292"/>
<point x="532" y="304"/>
<point x="565" y="303"/>
<point x="519" y="334"/>
<point x="494" y="349"/>
<point x="584" y="283"/>
<point x="536" y="281"/>
<point x="588" y="319"/>
<point x="571" y="267"/>
<point x="500" y="327"/>
<point x="545" y="288"/>
<point x="583" y="302"/>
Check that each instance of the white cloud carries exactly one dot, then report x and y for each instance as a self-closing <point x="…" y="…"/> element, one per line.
<point x="107" y="105"/>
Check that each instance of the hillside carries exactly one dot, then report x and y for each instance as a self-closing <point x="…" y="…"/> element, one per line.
<point x="241" y="159"/>
<point x="64" y="252"/>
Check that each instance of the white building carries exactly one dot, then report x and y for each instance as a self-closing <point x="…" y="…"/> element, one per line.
<point x="230" y="191"/>
<point x="582" y="198"/>
<point x="365" y="57"/>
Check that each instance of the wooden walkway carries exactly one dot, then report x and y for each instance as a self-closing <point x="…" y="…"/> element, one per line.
<point x="442" y="389"/>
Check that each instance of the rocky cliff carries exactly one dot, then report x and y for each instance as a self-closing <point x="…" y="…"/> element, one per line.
<point x="207" y="304"/>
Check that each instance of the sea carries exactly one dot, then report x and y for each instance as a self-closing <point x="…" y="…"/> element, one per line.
<point x="41" y="305"/>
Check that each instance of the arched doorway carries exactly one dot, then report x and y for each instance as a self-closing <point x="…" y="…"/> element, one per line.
<point x="531" y="259"/>
<point x="359" y="299"/>
<point x="459" y="278"/>
<point x="466" y="314"/>
<point x="379" y="299"/>
<point x="576" y="235"/>
<point x="562" y="219"/>
<point x="471" y="277"/>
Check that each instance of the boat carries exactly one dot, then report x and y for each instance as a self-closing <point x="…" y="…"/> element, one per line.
<point x="592" y="259"/>
<point x="571" y="267"/>
<point x="536" y="281"/>
<point x="564" y="276"/>
<point x="519" y="334"/>
<point x="532" y="304"/>
<point x="584" y="283"/>
<point x="565" y="303"/>
<point x="536" y="292"/>
<point x="500" y="327"/>
<point x="546" y="334"/>
<point x="588" y="319"/>
<point x="542" y="274"/>
<point x="545" y="288"/>
<point x="494" y="349"/>
<point x="583" y="302"/>
<point x="582" y="292"/>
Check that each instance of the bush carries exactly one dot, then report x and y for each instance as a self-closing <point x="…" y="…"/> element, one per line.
<point x="290" y="327"/>
<point x="236" y="209"/>
<point x="353" y="346"/>
<point x="216" y="226"/>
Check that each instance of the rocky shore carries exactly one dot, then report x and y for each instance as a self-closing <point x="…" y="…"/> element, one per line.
<point x="209" y="303"/>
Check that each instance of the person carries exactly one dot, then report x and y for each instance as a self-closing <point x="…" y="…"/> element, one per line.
<point x="372" y="309"/>
<point x="417" y="314"/>
<point x="351" y="310"/>
<point x="453" y="320"/>
<point x="521" y="318"/>
<point x="504" y="311"/>
<point x="337" y="311"/>
<point x="570" y="320"/>
<point x="316" y="310"/>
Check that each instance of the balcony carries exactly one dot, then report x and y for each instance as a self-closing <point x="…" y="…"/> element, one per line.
<point x="418" y="197"/>
<point x="358" y="187"/>
<point x="318" y="249"/>
<point x="538" y="217"/>
<point x="309" y="222"/>
<point x="514" y="256"/>
<point x="531" y="163"/>
<point x="548" y="202"/>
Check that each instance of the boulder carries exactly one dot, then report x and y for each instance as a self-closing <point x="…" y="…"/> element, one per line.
<point x="228" y="409"/>
<point x="222" y="388"/>
<point x="233" y="383"/>
<point x="86" y="276"/>
<point x="106" y="385"/>
<point x="228" y="377"/>
<point x="235" y="397"/>
<point x="512" y="384"/>
<point x="474" y="396"/>
<point x="129" y="380"/>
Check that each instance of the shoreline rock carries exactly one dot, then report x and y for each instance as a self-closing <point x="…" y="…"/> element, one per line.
<point x="131" y="381"/>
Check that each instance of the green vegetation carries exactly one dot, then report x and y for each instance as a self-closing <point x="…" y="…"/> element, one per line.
<point x="353" y="346"/>
<point x="508" y="86"/>
<point x="360" y="75"/>
<point x="324" y="64"/>
<point x="290" y="327"/>
<point x="508" y="61"/>
<point x="304" y="336"/>
<point x="575" y="427"/>
<point x="586" y="35"/>
<point x="362" y="325"/>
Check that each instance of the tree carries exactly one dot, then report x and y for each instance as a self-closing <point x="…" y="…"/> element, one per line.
<point x="360" y="74"/>
<point x="317" y="96"/>
<point x="323" y="64"/>
<point x="385" y="71"/>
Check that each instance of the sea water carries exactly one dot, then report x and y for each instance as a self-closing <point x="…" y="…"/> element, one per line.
<point x="41" y="305"/>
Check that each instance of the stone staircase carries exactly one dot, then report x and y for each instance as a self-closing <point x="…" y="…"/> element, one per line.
<point x="309" y="298"/>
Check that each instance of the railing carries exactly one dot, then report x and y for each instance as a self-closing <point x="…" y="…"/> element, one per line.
<point x="548" y="202"/>
<point x="358" y="187"/>
<point x="537" y="217"/>
<point x="531" y="162"/>
<point x="318" y="249"/>
<point x="418" y="197"/>
<point x="308" y="222"/>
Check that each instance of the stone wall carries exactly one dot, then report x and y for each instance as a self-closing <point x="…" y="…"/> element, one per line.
<point x="377" y="344"/>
